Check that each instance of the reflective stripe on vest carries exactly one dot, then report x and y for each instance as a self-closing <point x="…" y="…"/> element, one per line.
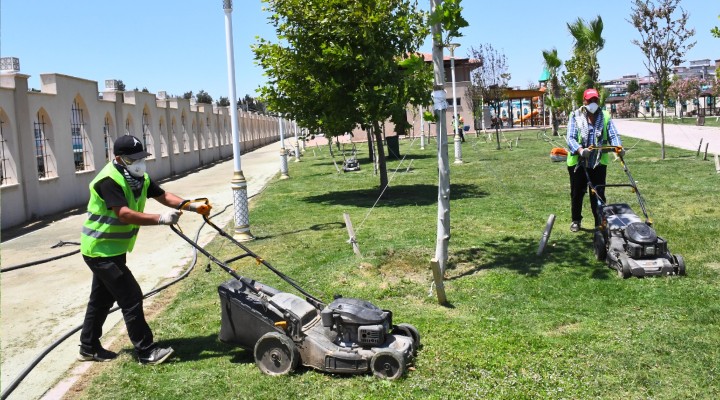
<point x="572" y="159"/>
<point x="103" y="234"/>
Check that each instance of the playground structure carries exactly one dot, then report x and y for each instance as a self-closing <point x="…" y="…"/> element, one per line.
<point x="521" y="108"/>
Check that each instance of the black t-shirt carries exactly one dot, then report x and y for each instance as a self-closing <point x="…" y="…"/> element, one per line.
<point x="114" y="196"/>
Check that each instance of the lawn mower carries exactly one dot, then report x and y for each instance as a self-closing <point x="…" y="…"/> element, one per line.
<point x="347" y="336"/>
<point x="351" y="163"/>
<point x="628" y="243"/>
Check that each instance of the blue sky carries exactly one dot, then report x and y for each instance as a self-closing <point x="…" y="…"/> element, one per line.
<point x="179" y="45"/>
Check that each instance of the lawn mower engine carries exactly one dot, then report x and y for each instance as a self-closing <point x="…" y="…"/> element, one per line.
<point x="348" y="336"/>
<point x="632" y="247"/>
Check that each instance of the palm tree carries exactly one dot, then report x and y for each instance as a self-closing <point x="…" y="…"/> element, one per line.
<point x="588" y="43"/>
<point x="553" y="63"/>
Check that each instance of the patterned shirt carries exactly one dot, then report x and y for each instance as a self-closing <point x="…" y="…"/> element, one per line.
<point x="572" y="133"/>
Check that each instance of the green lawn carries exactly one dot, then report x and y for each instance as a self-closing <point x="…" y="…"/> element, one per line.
<point x="518" y="327"/>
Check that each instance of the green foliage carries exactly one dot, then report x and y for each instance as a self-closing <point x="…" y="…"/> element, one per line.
<point x="120" y="86"/>
<point x="188" y="95"/>
<point x="583" y="69"/>
<point x="633" y="86"/>
<point x="715" y="31"/>
<point x="223" y="102"/>
<point x="553" y="97"/>
<point x="559" y="326"/>
<point x="336" y="64"/>
<point x="203" y="97"/>
<point x="448" y="13"/>
<point x="664" y="39"/>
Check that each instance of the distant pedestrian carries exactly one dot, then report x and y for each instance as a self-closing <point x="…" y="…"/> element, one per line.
<point x="588" y="126"/>
<point x="115" y="214"/>
<point x="458" y="124"/>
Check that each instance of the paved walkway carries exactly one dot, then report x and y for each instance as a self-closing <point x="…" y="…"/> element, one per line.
<point x="682" y="136"/>
<point x="41" y="303"/>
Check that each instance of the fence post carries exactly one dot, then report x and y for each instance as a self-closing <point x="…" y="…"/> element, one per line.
<point x="351" y="233"/>
<point x="699" y="147"/>
<point x="717" y="164"/>
<point x="706" y="149"/>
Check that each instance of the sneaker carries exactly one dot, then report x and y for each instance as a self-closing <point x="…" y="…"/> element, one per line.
<point x="575" y="226"/>
<point x="157" y="356"/>
<point x="100" y="355"/>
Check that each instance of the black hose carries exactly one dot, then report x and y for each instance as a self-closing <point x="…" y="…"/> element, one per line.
<point x="44" y="260"/>
<point x="14" y="384"/>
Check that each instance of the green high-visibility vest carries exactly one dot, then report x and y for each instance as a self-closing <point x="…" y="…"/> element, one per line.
<point x="572" y="159"/>
<point x="103" y="235"/>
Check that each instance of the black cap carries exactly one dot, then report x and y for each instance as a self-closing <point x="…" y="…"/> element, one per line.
<point x="129" y="146"/>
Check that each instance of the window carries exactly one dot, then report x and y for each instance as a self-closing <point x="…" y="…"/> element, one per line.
<point x="186" y="137"/>
<point x="43" y="155"/>
<point x="173" y="137"/>
<point x="79" y="137"/>
<point x="194" y="135"/>
<point x="107" y="138"/>
<point x="147" y="135"/>
<point x="163" y="144"/>
<point x="7" y="166"/>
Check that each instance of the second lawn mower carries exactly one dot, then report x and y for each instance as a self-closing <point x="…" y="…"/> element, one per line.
<point x="629" y="244"/>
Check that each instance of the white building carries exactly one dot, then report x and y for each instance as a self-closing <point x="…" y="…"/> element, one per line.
<point x="54" y="141"/>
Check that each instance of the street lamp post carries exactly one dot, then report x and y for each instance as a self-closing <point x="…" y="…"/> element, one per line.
<point x="238" y="182"/>
<point x="456" y="125"/>
<point x="422" y="129"/>
<point x="297" y="143"/>
<point x="283" y="153"/>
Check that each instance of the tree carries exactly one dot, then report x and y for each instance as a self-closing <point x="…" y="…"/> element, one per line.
<point x="633" y="86"/>
<point x="188" y="95"/>
<point x="203" y="97"/>
<point x="715" y="31"/>
<point x="223" y="102"/>
<point x="664" y="41"/>
<point x="583" y="69"/>
<point x="491" y="79"/>
<point x="337" y="64"/>
<point x="120" y="86"/>
<point x="553" y="98"/>
<point x="683" y="90"/>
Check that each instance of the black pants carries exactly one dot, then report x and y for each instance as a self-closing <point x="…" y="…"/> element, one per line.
<point x="579" y="185"/>
<point x="113" y="281"/>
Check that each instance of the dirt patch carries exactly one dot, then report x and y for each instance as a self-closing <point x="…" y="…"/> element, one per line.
<point x="563" y="330"/>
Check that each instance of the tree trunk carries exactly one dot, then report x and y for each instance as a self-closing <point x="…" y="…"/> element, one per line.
<point x="662" y="135"/>
<point x="443" y="226"/>
<point x="370" y="144"/>
<point x="497" y="125"/>
<point x="381" y="158"/>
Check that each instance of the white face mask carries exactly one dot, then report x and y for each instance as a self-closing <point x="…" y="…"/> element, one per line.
<point x="137" y="168"/>
<point x="592" y="107"/>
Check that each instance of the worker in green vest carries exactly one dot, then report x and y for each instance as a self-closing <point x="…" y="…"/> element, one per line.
<point x="588" y="126"/>
<point x="115" y="214"/>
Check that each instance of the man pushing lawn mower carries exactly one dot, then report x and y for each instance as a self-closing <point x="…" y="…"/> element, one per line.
<point x="115" y="214"/>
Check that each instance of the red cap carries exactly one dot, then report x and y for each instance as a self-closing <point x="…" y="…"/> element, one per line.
<point x="590" y="93"/>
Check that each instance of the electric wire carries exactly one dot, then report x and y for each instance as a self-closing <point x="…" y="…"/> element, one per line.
<point x="385" y="188"/>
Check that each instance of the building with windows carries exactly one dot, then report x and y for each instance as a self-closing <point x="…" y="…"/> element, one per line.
<point x="54" y="140"/>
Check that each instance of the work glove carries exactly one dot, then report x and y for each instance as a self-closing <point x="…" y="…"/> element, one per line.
<point x="196" y="206"/>
<point x="169" y="217"/>
<point x="585" y="153"/>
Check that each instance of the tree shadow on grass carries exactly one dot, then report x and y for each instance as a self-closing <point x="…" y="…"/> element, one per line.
<point x="395" y="196"/>
<point x="205" y="347"/>
<point x="519" y="255"/>
<point x="317" y="227"/>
